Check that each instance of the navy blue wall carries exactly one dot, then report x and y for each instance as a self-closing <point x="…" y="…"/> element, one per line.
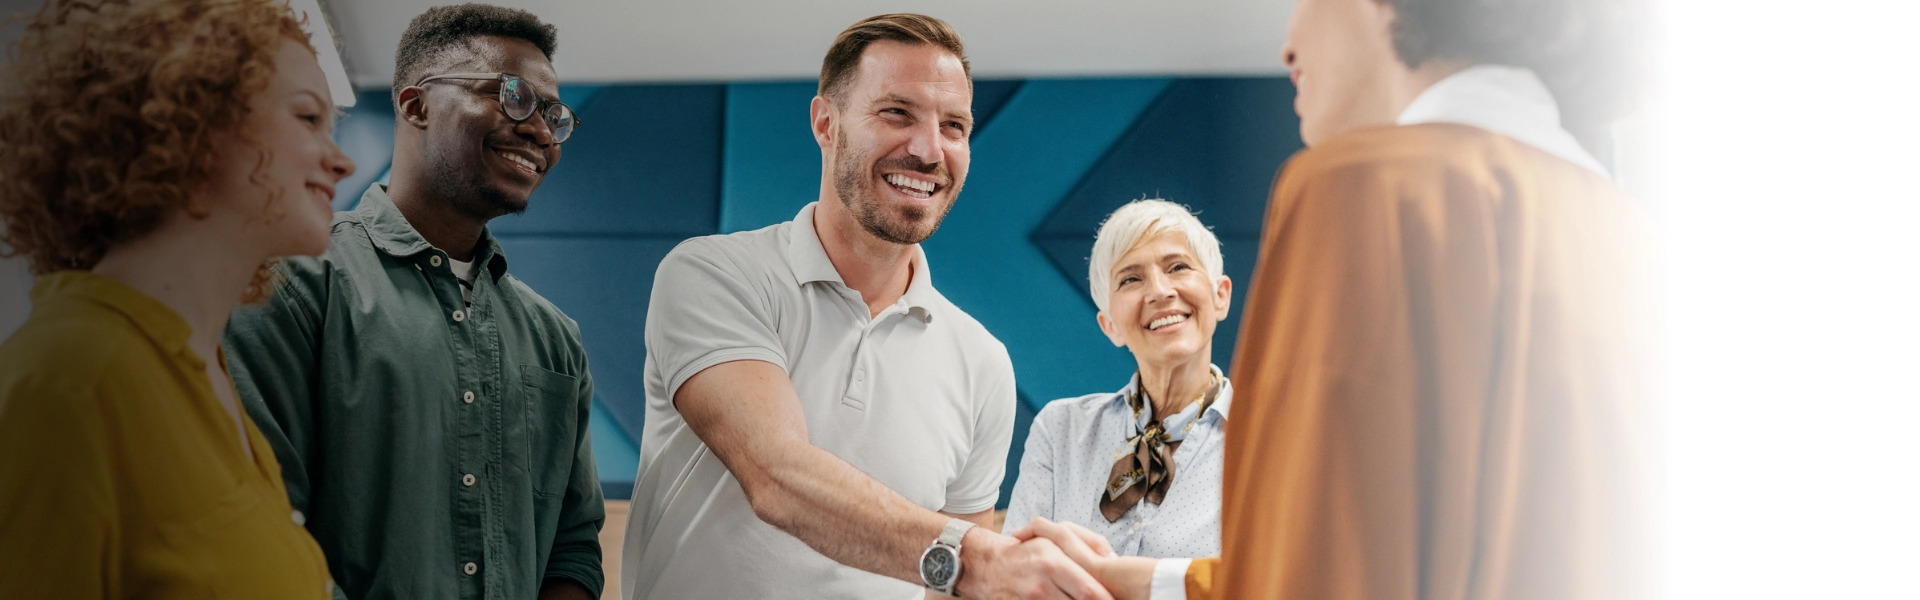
<point x="656" y="164"/>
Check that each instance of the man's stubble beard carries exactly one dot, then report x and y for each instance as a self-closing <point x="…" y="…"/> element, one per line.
<point x="468" y="190"/>
<point x="853" y="184"/>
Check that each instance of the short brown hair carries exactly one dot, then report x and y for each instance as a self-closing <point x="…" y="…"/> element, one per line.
<point x="110" y="113"/>
<point x="843" y="57"/>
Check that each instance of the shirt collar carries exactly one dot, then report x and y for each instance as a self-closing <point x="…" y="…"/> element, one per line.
<point x="392" y="234"/>
<point x="1221" y="403"/>
<point x="808" y="259"/>
<point x="158" y="322"/>
<point x="1510" y="101"/>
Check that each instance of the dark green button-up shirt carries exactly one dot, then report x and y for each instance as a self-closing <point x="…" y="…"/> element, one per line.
<point x="436" y="449"/>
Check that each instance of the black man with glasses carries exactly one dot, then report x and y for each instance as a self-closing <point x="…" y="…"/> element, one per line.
<point x="428" y="408"/>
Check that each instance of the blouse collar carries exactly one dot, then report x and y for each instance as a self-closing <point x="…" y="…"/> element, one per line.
<point x="1221" y="403"/>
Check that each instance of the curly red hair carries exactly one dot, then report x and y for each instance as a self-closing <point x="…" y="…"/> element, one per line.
<point x="111" y="113"/>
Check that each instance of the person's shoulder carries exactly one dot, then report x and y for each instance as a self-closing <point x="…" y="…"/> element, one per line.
<point x="1396" y="146"/>
<point x="756" y="245"/>
<point x="70" y="351"/>
<point x="1075" y="412"/>
<point x="348" y="245"/>
<point x="541" y="309"/>
<point x="967" y="330"/>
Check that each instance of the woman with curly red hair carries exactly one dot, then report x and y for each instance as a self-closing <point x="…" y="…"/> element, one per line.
<point x="155" y="156"/>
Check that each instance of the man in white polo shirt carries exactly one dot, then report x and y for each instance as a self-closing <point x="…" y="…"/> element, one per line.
<point x="821" y="422"/>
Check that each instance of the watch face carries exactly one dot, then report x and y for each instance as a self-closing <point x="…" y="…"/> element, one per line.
<point x="937" y="566"/>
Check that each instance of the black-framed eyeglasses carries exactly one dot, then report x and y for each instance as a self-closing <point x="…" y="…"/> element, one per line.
<point x="519" y="101"/>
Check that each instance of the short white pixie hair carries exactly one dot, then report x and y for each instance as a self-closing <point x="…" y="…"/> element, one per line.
<point x="1139" y="221"/>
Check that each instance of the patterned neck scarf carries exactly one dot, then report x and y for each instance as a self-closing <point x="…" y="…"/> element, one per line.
<point x="1143" y="466"/>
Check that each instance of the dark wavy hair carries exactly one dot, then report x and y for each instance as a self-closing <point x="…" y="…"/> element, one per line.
<point x="111" y="112"/>
<point x="439" y="36"/>
<point x="1589" y="52"/>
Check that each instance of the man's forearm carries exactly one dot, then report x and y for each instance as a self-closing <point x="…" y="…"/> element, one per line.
<point x="845" y="514"/>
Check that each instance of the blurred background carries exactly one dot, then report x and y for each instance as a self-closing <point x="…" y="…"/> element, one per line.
<point x="1775" y="154"/>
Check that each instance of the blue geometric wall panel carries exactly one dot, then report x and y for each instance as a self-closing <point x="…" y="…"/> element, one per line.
<point x="645" y="161"/>
<point x="772" y="164"/>
<point x="365" y="133"/>
<point x="1035" y="152"/>
<point x="1213" y="144"/>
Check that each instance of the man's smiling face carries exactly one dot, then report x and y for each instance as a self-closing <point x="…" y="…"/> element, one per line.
<point x="900" y="150"/>
<point x="488" y="163"/>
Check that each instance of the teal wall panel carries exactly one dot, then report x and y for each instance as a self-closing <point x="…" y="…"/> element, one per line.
<point x="616" y="456"/>
<point x="771" y="163"/>
<point x="1034" y="153"/>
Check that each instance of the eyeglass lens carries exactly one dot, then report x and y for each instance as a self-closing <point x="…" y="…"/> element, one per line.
<point x="520" y="104"/>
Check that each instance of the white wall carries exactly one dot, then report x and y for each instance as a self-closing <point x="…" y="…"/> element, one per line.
<point x="711" y="40"/>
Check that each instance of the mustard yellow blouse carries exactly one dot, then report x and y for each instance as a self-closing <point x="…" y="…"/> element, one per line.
<point x="121" y="475"/>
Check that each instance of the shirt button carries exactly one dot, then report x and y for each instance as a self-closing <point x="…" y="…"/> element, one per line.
<point x="459" y="315"/>
<point x="299" y="518"/>
<point x="467" y="480"/>
<point x="434" y="260"/>
<point x="467" y="397"/>
<point x="1137" y="525"/>
<point x="470" y="568"/>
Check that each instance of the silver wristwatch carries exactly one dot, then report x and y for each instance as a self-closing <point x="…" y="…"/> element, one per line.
<point x="940" y="564"/>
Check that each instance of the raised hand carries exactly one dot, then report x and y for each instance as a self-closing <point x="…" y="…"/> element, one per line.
<point x="996" y="566"/>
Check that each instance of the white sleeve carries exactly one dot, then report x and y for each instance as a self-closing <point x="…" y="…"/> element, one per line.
<point x="977" y="487"/>
<point x="1033" y="491"/>
<point x="703" y="312"/>
<point x="1169" y="579"/>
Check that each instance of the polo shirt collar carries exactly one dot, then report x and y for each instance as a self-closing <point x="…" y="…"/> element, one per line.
<point x="808" y="259"/>
<point x="159" y="323"/>
<point x="392" y="234"/>
<point x="1221" y="403"/>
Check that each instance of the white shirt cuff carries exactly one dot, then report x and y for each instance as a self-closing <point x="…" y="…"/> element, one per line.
<point x="1169" y="579"/>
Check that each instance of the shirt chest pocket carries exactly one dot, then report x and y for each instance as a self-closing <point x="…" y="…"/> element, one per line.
<point x="549" y="428"/>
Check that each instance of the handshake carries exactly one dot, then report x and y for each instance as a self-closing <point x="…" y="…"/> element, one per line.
<point x="1052" y="561"/>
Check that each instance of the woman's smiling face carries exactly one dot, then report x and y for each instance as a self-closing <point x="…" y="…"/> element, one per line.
<point x="1163" y="307"/>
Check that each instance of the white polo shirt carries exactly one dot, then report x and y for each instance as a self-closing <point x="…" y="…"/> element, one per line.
<point x="920" y="397"/>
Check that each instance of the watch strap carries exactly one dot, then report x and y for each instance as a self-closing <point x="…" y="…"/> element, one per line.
<point x="955" y="530"/>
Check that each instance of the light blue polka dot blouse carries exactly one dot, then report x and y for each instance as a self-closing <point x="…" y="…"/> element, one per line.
<point x="1070" y="452"/>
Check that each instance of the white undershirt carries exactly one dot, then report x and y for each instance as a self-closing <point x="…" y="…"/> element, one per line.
<point x="463" y="270"/>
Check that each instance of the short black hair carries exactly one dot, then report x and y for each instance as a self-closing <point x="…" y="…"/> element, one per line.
<point x="1589" y="52"/>
<point x="436" y="37"/>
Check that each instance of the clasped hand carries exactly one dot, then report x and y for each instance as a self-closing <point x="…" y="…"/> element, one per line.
<point x="1122" y="577"/>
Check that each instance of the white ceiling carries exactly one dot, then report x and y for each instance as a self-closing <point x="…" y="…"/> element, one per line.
<point x="714" y="40"/>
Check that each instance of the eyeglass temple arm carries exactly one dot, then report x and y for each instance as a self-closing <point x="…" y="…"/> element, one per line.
<point x="461" y="76"/>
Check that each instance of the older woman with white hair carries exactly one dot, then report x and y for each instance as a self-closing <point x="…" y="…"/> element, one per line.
<point x="1142" y="465"/>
